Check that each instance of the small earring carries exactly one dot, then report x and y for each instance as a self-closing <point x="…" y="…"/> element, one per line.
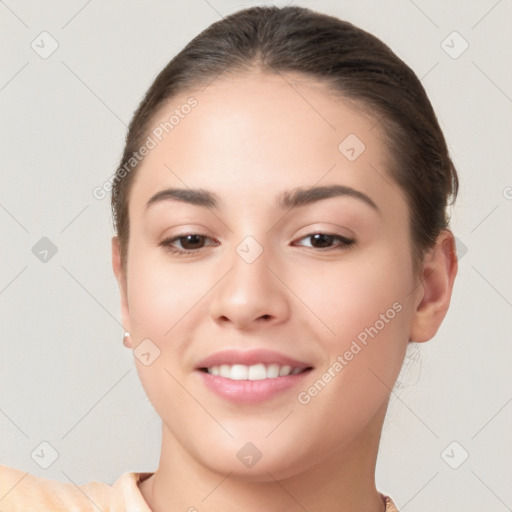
<point x="125" y="339"/>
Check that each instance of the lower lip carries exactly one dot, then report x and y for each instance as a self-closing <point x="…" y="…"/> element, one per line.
<point x="250" y="391"/>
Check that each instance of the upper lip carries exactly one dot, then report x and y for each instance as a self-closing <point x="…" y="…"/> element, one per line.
<point x="250" y="357"/>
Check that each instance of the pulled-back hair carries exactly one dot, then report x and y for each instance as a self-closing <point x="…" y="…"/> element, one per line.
<point x="351" y="62"/>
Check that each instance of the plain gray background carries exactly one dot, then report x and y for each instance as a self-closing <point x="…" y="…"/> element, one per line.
<point x="65" y="377"/>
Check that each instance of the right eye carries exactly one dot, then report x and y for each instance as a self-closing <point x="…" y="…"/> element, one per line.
<point x="190" y="243"/>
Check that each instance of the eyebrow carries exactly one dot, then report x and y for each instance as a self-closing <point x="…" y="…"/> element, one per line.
<point x="300" y="196"/>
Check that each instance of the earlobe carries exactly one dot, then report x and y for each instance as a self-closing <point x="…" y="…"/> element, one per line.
<point x="435" y="289"/>
<point x="121" y="281"/>
<point x="127" y="342"/>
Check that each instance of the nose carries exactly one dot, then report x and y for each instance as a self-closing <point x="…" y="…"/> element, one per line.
<point x="250" y="295"/>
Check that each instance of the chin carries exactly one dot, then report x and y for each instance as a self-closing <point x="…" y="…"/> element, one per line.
<point x="261" y="460"/>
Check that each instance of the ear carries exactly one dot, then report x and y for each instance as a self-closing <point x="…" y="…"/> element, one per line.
<point x="435" y="290"/>
<point x="121" y="281"/>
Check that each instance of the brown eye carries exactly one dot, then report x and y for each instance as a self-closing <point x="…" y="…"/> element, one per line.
<point x="191" y="242"/>
<point x="186" y="244"/>
<point x="326" y="241"/>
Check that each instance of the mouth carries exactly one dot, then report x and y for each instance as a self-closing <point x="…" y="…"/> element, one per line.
<point x="251" y="377"/>
<point x="254" y="372"/>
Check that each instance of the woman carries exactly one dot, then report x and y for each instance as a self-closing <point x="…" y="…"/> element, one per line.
<point x="282" y="237"/>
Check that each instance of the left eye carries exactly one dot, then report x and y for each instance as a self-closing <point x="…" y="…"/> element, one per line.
<point x="325" y="241"/>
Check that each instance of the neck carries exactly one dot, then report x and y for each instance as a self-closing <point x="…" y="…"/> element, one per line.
<point x="342" y="482"/>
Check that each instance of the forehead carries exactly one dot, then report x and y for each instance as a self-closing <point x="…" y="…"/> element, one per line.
<point x="257" y="134"/>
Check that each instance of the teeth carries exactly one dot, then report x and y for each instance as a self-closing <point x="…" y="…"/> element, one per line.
<point x="239" y="372"/>
<point x="254" y="372"/>
<point x="257" y="372"/>
<point x="272" y="371"/>
<point x="285" y="370"/>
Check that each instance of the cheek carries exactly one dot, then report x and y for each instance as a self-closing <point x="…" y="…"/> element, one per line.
<point x="350" y="295"/>
<point x="366" y="307"/>
<point x="163" y="301"/>
<point x="160" y="296"/>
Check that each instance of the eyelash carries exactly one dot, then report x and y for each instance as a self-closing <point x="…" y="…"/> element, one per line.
<point x="345" y="243"/>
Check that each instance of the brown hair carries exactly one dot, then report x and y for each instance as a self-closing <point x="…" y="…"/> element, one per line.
<point x="351" y="62"/>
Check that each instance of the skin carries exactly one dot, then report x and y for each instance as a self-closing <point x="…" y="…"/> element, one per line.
<point x="251" y="137"/>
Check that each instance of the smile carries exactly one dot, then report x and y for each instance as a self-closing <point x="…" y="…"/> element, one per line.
<point x="249" y="377"/>
<point x="254" y="372"/>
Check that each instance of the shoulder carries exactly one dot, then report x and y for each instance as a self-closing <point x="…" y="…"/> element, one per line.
<point x="21" y="491"/>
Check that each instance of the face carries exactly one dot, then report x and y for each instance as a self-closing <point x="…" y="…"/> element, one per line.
<point x="285" y="322"/>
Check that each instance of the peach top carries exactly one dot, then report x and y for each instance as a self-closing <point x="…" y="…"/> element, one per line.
<point x="22" y="492"/>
